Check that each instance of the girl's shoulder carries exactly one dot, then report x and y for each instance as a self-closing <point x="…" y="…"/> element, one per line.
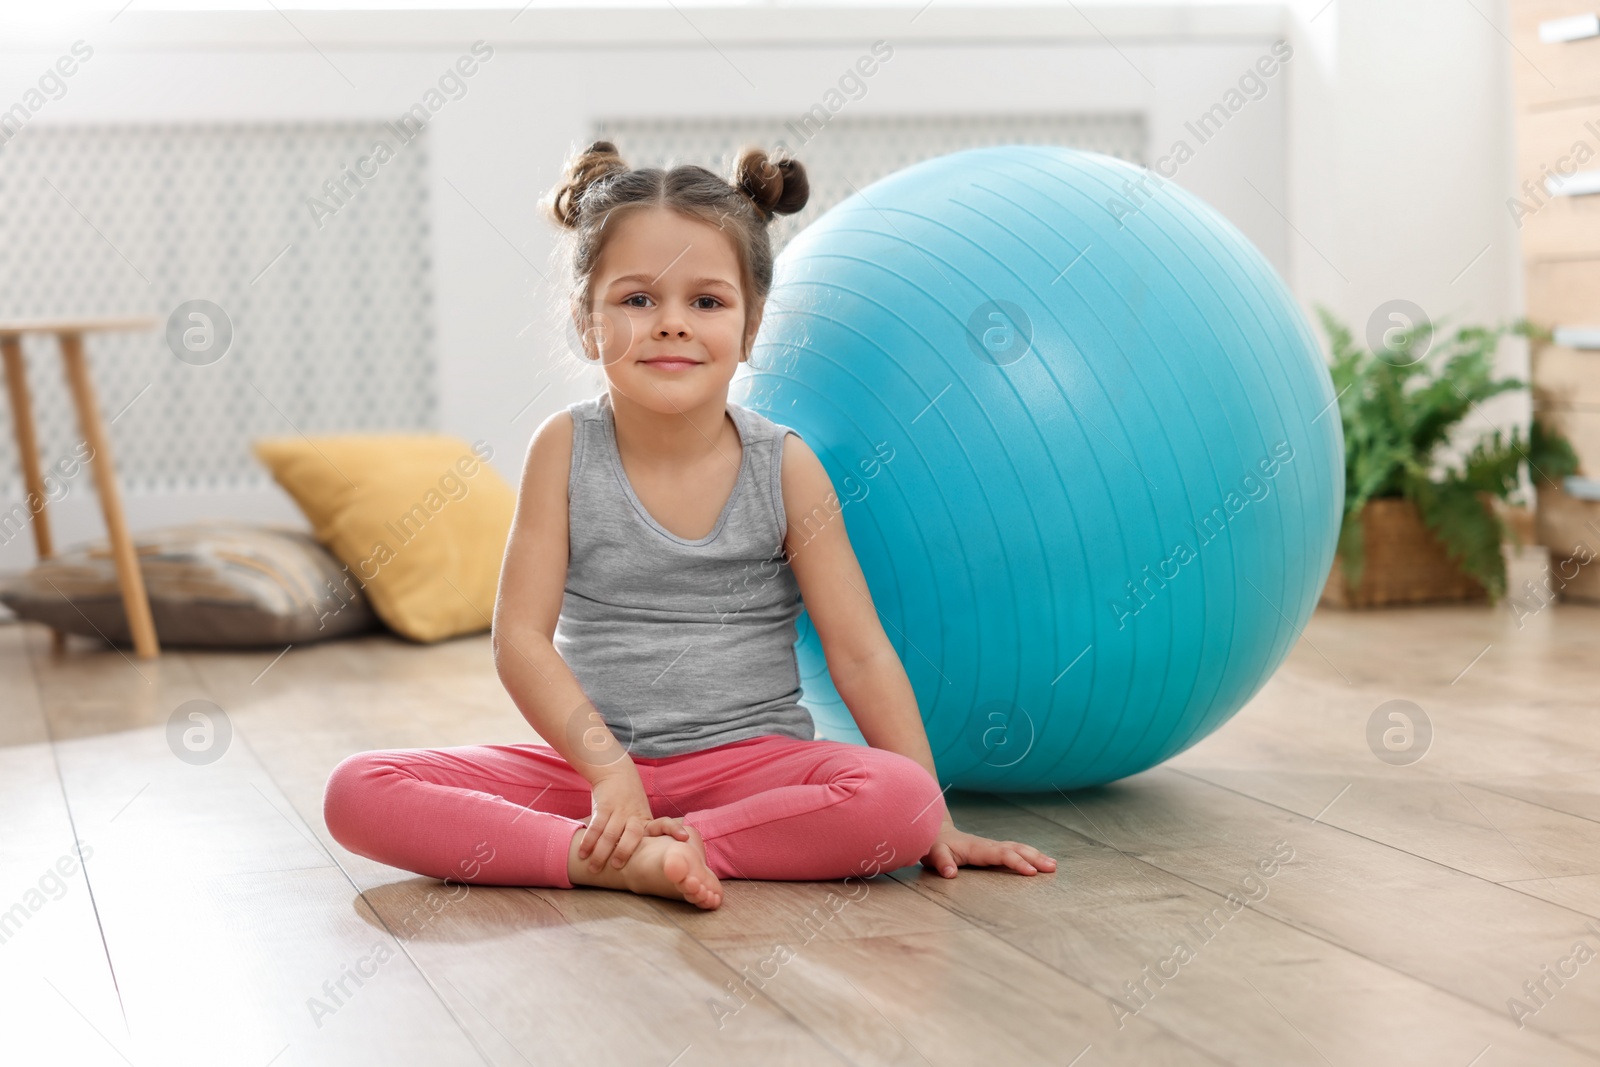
<point x="580" y="428"/>
<point x="764" y="426"/>
<point x="586" y="409"/>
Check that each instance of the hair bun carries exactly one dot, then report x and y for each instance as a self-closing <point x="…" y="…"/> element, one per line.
<point x="595" y="163"/>
<point x="776" y="184"/>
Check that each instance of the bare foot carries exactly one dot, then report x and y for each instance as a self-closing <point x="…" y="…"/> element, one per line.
<point x="660" y="866"/>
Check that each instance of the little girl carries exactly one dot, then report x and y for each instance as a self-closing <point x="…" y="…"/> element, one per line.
<point x="663" y="541"/>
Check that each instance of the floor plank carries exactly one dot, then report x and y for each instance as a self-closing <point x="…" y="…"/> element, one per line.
<point x="1462" y="825"/>
<point x="1251" y="979"/>
<point x="1394" y="909"/>
<point x="1417" y="902"/>
<point x="223" y="915"/>
<point x="56" y="982"/>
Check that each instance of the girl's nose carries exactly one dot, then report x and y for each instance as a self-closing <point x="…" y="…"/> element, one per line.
<point x="671" y="321"/>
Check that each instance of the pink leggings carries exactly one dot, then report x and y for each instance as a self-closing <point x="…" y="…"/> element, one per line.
<point x="770" y="807"/>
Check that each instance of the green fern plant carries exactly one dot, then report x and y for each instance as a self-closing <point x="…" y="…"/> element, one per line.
<point x="1400" y="409"/>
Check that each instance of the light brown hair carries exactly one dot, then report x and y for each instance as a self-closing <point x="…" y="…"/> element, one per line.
<point x="597" y="188"/>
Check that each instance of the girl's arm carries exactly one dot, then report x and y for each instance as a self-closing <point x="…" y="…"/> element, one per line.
<point x="863" y="664"/>
<point x="861" y="661"/>
<point x="533" y="577"/>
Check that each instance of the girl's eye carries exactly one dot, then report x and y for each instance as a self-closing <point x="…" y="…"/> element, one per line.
<point x="715" y="303"/>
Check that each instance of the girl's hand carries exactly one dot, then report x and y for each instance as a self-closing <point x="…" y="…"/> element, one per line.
<point x="953" y="849"/>
<point x="620" y="818"/>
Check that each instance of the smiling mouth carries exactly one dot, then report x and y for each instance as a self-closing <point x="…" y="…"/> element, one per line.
<point x="671" y="362"/>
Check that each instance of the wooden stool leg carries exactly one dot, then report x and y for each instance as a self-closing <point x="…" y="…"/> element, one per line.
<point x="28" y="456"/>
<point x="134" y="601"/>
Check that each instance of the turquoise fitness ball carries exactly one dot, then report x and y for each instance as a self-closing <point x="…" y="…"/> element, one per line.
<point x="1085" y="448"/>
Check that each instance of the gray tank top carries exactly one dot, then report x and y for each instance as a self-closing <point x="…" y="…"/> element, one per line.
<point x="682" y="645"/>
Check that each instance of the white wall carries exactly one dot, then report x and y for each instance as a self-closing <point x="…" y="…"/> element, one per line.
<point x="1386" y="142"/>
<point x="497" y="149"/>
<point x="1401" y="134"/>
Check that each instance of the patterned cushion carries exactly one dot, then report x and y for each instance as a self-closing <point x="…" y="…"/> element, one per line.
<point x="214" y="584"/>
<point x="420" y="519"/>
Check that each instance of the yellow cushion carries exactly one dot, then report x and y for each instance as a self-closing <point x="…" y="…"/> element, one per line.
<point x="420" y="522"/>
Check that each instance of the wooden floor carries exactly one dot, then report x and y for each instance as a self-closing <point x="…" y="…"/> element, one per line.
<point x="218" y="919"/>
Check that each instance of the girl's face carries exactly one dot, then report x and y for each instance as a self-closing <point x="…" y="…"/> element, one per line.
<point x="668" y="324"/>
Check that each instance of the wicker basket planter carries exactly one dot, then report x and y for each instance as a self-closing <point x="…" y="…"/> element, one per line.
<point x="1405" y="564"/>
